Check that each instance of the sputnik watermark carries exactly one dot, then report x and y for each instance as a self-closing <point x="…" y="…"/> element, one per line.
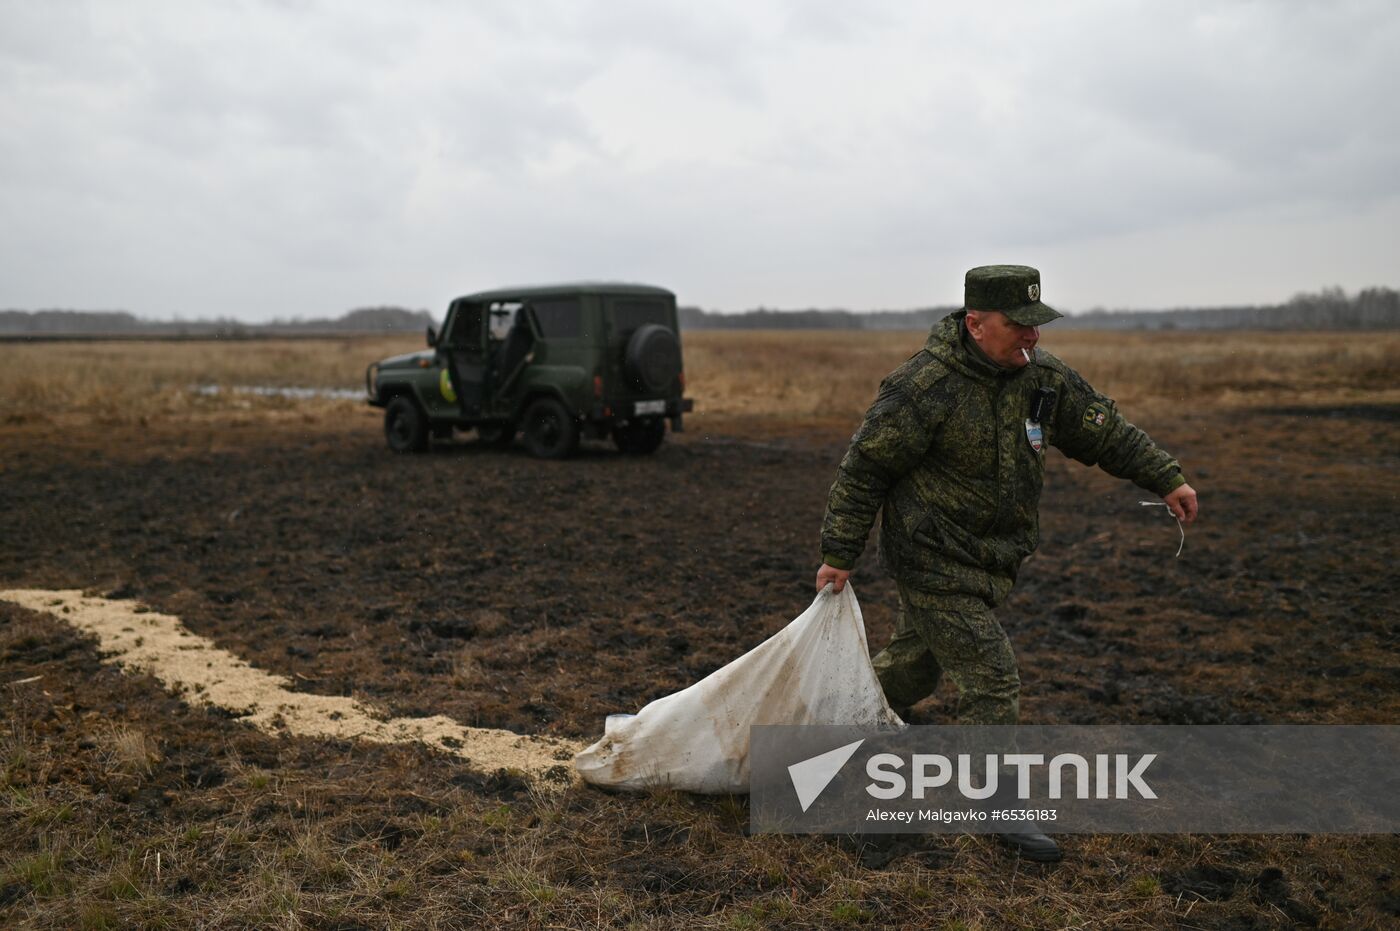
<point x="1166" y="779"/>
<point x="930" y="771"/>
<point x="810" y="777"/>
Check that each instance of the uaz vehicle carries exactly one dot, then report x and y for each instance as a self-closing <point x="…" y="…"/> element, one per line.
<point x="554" y="363"/>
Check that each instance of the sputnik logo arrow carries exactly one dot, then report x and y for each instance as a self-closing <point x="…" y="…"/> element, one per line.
<point x="811" y="777"/>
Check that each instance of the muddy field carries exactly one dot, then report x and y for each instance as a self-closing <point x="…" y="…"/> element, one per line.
<point x="539" y="597"/>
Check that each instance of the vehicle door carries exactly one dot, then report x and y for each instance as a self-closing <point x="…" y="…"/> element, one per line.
<point x="464" y="345"/>
<point x="519" y="334"/>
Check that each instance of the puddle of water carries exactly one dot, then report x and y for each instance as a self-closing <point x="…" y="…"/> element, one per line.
<point x="271" y="391"/>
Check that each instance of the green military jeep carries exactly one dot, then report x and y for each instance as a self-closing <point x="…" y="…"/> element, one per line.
<point x="555" y="363"/>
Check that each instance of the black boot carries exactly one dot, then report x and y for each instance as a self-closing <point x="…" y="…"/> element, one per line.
<point x="1024" y="837"/>
<point x="1030" y="844"/>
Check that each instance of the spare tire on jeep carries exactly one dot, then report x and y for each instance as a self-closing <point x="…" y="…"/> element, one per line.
<point x="653" y="357"/>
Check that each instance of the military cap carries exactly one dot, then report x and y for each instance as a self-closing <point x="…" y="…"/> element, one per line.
<point x="1012" y="289"/>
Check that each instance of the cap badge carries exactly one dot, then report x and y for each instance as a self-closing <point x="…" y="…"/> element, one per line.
<point x="1034" y="292"/>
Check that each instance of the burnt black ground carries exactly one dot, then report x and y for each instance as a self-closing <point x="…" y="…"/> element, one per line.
<point x="541" y="596"/>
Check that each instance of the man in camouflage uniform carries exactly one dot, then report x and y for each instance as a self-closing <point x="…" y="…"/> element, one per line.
<point x="952" y="453"/>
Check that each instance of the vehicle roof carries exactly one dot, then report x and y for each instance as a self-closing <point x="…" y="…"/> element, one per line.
<point x="567" y="287"/>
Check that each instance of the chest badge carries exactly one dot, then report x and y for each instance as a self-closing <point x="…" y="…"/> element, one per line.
<point x="1042" y="401"/>
<point x="1035" y="434"/>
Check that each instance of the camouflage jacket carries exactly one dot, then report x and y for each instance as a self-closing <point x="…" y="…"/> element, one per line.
<point x="944" y="451"/>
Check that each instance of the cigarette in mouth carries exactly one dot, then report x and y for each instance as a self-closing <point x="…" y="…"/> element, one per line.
<point x="1026" y="354"/>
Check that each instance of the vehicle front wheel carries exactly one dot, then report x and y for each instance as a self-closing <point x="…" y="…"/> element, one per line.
<point x="551" y="432"/>
<point x="405" y="427"/>
<point x="640" y="437"/>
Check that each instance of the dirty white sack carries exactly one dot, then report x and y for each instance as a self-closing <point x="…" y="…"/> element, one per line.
<point x="815" y="670"/>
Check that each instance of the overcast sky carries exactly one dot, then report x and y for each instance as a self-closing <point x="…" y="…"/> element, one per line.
<point x="298" y="158"/>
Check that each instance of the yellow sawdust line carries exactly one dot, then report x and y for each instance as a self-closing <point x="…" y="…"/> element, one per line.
<point x="203" y="674"/>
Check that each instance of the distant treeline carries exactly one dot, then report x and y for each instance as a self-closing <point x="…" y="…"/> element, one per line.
<point x="122" y="323"/>
<point x="693" y="318"/>
<point x="1329" y="309"/>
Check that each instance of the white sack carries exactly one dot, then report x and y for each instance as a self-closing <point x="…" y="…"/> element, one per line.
<point x="815" y="670"/>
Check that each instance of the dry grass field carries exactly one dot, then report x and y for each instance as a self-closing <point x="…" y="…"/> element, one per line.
<point x="124" y="382"/>
<point x="790" y="381"/>
<point x="797" y="380"/>
<point x="538" y="597"/>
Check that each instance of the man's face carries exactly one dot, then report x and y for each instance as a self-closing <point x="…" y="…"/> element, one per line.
<point x="1001" y="339"/>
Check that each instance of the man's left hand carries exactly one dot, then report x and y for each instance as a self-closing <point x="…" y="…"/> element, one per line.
<point x="1182" y="503"/>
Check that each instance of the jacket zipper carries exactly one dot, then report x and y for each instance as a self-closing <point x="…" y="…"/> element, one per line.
<point x="996" y="437"/>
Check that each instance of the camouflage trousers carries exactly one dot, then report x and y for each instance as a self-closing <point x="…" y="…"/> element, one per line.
<point x="938" y="634"/>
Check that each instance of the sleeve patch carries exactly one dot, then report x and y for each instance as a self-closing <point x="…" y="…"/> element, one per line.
<point x="1095" y="416"/>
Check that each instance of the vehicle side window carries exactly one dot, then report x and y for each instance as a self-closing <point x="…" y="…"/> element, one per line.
<point x="503" y="318"/>
<point x="561" y="318"/>
<point x="466" y="327"/>
<point x="627" y="316"/>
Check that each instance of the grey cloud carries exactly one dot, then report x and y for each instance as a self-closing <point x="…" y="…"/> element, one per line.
<point x="286" y="157"/>
<point x="1157" y="121"/>
<point x="1284" y="95"/>
<point x="836" y="21"/>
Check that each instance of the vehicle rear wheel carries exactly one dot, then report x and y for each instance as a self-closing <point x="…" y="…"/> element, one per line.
<point x="640" y="437"/>
<point x="500" y="435"/>
<point x="551" y="432"/>
<point x="405" y="427"/>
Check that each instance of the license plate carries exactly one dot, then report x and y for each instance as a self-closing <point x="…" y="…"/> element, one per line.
<point x="650" y="407"/>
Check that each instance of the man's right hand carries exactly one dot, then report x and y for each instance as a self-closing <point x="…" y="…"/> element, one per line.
<point x="833" y="575"/>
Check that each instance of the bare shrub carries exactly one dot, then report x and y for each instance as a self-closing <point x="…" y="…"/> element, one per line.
<point x="129" y="752"/>
<point x="466" y="669"/>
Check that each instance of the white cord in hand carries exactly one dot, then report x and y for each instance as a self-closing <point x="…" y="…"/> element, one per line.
<point x="1163" y="504"/>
